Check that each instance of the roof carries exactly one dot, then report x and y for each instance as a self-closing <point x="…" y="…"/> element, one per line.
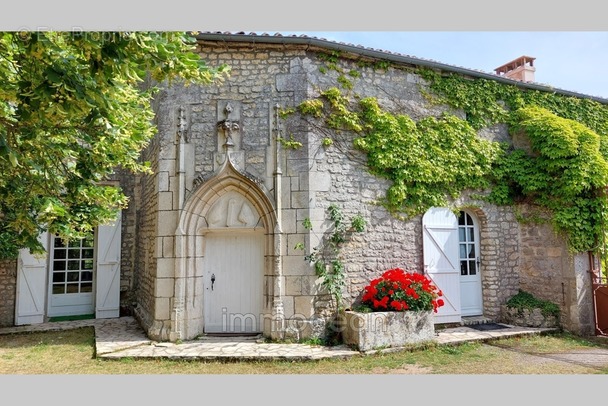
<point x="278" y="38"/>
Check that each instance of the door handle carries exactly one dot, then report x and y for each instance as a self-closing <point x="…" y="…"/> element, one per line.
<point x="212" y="280"/>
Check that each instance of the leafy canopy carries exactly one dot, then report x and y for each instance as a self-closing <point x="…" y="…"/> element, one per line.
<point x="75" y="107"/>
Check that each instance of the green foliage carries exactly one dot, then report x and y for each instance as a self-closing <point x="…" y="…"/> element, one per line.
<point x="327" y="142"/>
<point x="524" y="300"/>
<point x="562" y="173"/>
<point x="326" y="258"/>
<point x="358" y="223"/>
<point x="74" y="107"/>
<point x="433" y="160"/>
<point x="344" y="82"/>
<point x="311" y="107"/>
<point x="427" y="161"/>
<point x="307" y="223"/>
<point x="286" y="112"/>
<point x="290" y="143"/>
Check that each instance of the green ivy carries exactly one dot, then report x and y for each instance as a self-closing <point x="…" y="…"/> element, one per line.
<point x="562" y="172"/>
<point x="524" y="300"/>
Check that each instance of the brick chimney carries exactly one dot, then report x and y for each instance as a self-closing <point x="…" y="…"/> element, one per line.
<point x="521" y="69"/>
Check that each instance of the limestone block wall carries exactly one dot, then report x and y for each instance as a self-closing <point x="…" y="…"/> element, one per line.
<point x="499" y="253"/>
<point x="338" y="175"/>
<point x="550" y="272"/>
<point x="145" y="260"/>
<point x="302" y="183"/>
<point x="8" y="286"/>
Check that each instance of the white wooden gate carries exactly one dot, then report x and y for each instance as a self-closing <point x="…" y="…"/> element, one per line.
<point x="233" y="267"/>
<point x="440" y="252"/>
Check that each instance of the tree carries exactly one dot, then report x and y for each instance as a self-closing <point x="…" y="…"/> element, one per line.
<point x="74" y="108"/>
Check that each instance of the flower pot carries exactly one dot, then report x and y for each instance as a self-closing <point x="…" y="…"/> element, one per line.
<point x="375" y="330"/>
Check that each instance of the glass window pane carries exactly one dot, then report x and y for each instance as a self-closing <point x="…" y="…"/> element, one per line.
<point x="469" y="220"/>
<point x="74" y="253"/>
<point x="472" y="270"/>
<point x="461" y="218"/>
<point x="58" y="243"/>
<point x="59" y="253"/>
<point x="58" y="265"/>
<point x="88" y="241"/>
<point x="58" y="289"/>
<point x="87" y="264"/>
<point x="463" y="268"/>
<point x="463" y="250"/>
<point x="73" y="276"/>
<point x="471" y="251"/>
<point x="461" y="234"/>
<point x="471" y="234"/>
<point x="87" y="253"/>
<point x="72" y="288"/>
<point x="58" y="277"/>
<point x="86" y="276"/>
<point x="86" y="287"/>
<point x="74" y="243"/>
<point x="73" y="265"/>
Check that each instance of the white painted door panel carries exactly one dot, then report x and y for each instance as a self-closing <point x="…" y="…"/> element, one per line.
<point x="233" y="301"/>
<point x="31" y="286"/>
<point x="440" y="252"/>
<point x="107" y="295"/>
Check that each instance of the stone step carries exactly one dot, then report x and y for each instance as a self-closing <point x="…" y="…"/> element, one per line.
<point x="474" y="320"/>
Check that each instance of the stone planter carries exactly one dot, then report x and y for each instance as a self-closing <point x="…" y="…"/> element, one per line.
<point x="375" y="330"/>
<point x="528" y="317"/>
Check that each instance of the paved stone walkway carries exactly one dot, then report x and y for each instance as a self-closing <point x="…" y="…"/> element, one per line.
<point x="124" y="338"/>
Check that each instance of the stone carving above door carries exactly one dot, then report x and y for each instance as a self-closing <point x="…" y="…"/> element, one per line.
<point x="232" y="210"/>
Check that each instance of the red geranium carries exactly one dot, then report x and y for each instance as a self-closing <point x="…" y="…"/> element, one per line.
<point x="399" y="290"/>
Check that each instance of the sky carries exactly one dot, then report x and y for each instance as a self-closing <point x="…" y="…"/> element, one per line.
<point x="570" y="43"/>
<point x="570" y="60"/>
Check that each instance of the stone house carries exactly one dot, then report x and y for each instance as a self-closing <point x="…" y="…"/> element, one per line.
<point x="209" y="242"/>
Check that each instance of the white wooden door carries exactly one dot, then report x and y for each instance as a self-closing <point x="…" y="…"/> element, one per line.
<point x="471" y="302"/>
<point x="31" y="286"/>
<point x="107" y="291"/>
<point x="440" y="252"/>
<point x="233" y="269"/>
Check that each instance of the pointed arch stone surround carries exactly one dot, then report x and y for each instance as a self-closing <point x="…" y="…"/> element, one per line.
<point x="227" y="200"/>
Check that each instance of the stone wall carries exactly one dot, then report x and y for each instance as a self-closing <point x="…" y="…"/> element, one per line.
<point x="145" y="261"/>
<point x="128" y="182"/>
<point x="550" y="272"/>
<point x="8" y="285"/>
<point x="310" y="179"/>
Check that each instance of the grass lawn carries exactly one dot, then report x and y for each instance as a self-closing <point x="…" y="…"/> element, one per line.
<point x="72" y="352"/>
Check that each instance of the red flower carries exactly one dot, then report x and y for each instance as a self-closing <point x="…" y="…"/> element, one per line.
<point x="401" y="291"/>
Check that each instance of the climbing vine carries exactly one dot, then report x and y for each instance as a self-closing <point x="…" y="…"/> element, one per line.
<point x="326" y="258"/>
<point x="562" y="169"/>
